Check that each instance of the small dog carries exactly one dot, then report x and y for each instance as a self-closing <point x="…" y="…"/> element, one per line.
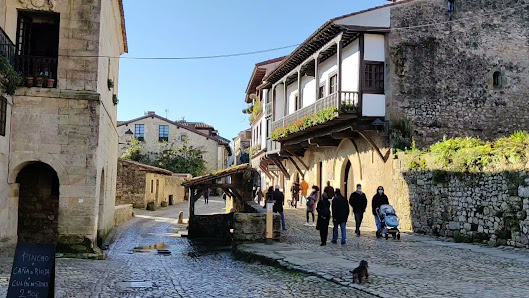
<point x="360" y="271"/>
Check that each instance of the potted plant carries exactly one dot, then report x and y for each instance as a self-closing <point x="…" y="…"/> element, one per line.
<point x="39" y="80"/>
<point x="50" y="82"/>
<point x="29" y="81"/>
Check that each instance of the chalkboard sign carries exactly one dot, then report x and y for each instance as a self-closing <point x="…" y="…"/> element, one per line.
<point x="33" y="273"/>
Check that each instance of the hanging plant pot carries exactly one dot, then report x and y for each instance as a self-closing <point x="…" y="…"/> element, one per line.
<point x="50" y="83"/>
<point x="29" y="81"/>
<point x="39" y="81"/>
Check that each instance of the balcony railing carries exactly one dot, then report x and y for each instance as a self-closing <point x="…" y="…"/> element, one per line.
<point x="33" y="66"/>
<point x="344" y="101"/>
<point x="7" y="48"/>
<point x="268" y="109"/>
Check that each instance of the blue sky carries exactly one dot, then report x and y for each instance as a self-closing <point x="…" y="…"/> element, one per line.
<point x="210" y="90"/>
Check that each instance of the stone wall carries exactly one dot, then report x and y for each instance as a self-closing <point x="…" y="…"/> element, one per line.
<point x="130" y="185"/>
<point x="122" y="214"/>
<point x="216" y="226"/>
<point x="488" y="208"/>
<point x="442" y="75"/>
<point x="8" y="206"/>
<point x="251" y="226"/>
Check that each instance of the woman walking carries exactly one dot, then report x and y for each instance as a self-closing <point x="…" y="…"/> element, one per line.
<point x="311" y="203"/>
<point x="324" y="215"/>
<point x="379" y="199"/>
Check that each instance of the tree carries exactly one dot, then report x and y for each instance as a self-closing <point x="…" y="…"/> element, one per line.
<point x="181" y="159"/>
<point x="134" y="152"/>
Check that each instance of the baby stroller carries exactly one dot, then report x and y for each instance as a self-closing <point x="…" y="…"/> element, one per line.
<point x="389" y="222"/>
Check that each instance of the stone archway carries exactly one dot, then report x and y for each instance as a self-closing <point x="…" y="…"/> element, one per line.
<point x="347" y="179"/>
<point x="38" y="204"/>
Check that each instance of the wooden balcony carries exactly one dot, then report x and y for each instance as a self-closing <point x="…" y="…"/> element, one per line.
<point x="346" y="102"/>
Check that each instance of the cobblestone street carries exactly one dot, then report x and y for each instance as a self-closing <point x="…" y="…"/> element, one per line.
<point x="192" y="270"/>
<point x="418" y="266"/>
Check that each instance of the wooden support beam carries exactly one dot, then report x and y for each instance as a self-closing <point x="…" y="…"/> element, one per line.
<point x="299" y="159"/>
<point x="377" y="150"/>
<point x="236" y="194"/>
<point x="281" y="168"/>
<point x="299" y="170"/>
<point x="266" y="172"/>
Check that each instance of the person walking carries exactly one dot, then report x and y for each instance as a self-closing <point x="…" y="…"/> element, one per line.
<point x="294" y="189"/>
<point x="258" y="195"/>
<point x="311" y="203"/>
<point x="206" y="196"/>
<point x="379" y="199"/>
<point x="304" y="187"/>
<point x="329" y="190"/>
<point x="340" y="213"/>
<point x="324" y="216"/>
<point x="279" y="201"/>
<point x="269" y="195"/>
<point x="358" y="202"/>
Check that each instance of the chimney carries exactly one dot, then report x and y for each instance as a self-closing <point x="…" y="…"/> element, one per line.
<point x="150" y="113"/>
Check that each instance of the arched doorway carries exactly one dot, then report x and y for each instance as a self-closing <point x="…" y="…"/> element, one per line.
<point x="38" y="204"/>
<point x="347" y="179"/>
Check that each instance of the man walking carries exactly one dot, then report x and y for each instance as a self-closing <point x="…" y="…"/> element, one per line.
<point x="206" y="196"/>
<point x="304" y="186"/>
<point x="295" y="194"/>
<point x="340" y="213"/>
<point x="279" y="201"/>
<point x="329" y="190"/>
<point x="358" y="202"/>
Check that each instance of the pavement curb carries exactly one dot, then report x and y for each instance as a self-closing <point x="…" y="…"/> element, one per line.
<point x="250" y="256"/>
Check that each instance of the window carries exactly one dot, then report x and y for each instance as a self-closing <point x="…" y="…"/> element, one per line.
<point x="3" y="116"/>
<point x="451" y="5"/>
<point x="37" y="43"/>
<point x="152" y="186"/>
<point x="496" y="79"/>
<point x="164" y="133"/>
<point x="333" y="84"/>
<point x="183" y="138"/>
<point x="321" y="91"/>
<point x="139" y="132"/>
<point x="374" y="77"/>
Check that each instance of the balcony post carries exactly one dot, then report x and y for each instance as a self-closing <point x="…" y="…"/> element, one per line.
<point x="286" y="99"/>
<point x="300" y="93"/>
<point x="339" y="72"/>
<point x="317" y="77"/>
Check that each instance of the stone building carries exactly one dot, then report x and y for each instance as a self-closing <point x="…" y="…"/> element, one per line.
<point x="463" y="75"/>
<point x="241" y="143"/>
<point x="152" y="129"/>
<point x="61" y="138"/>
<point x="324" y="108"/>
<point x="414" y="70"/>
<point x="139" y="184"/>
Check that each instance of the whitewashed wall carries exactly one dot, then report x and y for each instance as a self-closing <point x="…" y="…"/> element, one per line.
<point x="374" y="105"/>
<point x="351" y="67"/>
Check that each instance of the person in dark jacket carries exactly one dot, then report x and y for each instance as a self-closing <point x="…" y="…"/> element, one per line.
<point x="206" y="196"/>
<point x="329" y="190"/>
<point x="279" y="201"/>
<point x="340" y="213"/>
<point x="324" y="216"/>
<point x="378" y="200"/>
<point x="358" y="202"/>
